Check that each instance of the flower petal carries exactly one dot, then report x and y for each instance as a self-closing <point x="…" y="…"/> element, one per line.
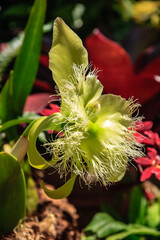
<point x="67" y="48"/>
<point x="36" y="102"/>
<point x="151" y="153"/>
<point x="157" y="139"/>
<point x="63" y="191"/>
<point x="143" y="161"/>
<point x="116" y="68"/>
<point x="41" y="124"/>
<point x="92" y="89"/>
<point x="146" y="174"/>
<point x="143" y="126"/>
<point x="145" y="86"/>
<point x="49" y="111"/>
<point x="117" y="74"/>
<point x="113" y="107"/>
<point x="157" y="173"/>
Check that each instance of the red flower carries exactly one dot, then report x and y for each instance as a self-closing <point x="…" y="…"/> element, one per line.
<point x="117" y="75"/>
<point x="152" y="162"/>
<point x="143" y="133"/>
<point x="49" y="111"/>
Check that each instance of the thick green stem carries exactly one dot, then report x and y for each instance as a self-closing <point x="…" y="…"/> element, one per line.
<point x="20" y="148"/>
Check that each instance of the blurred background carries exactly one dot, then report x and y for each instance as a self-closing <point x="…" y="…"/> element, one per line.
<point x="120" y="20"/>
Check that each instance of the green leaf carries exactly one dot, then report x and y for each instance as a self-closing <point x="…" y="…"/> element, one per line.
<point x="31" y="196"/>
<point x="138" y="206"/>
<point x="10" y="51"/>
<point x="62" y="192"/>
<point x="15" y="122"/>
<point x="27" y="62"/>
<point x="134" y="230"/>
<point x="103" y="225"/>
<point x="6" y="109"/>
<point x="12" y="192"/>
<point x="18" y="10"/>
<point x="153" y="215"/>
<point x="17" y="88"/>
<point x="67" y="48"/>
<point x="99" y="220"/>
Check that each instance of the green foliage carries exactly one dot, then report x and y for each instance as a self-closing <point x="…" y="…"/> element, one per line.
<point x="20" y="83"/>
<point x="31" y="196"/>
<point x="104" y="226"/>
<point x="153" y="215"/>
<point x="12" y="100"/>
<point x="12" y="192"/>
<point x="137" y="212"/>
<point x="26" y="65"/>
<point x="144" y="221"/>
<point x="10" y="52"/>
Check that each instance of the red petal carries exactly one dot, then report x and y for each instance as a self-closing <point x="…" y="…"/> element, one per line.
<point x="47" y="112"/>
<point x="151" y="137"/>
<point x="55" y="107"/>
<point x="117" y="75"/>
<point x="44" y="60"/>
<point x="146" y="174"/>
<point x="45" y="86"/>
<point x="139" y="137"/>
<point x="157" y="173"/>
<point x="157" y="139"/>
<point x="116" y="68"/>
<point x="143" y="126"/>
<point x="144" y="161"/>
<point x="151" y="153"/>
<point x="148" y="81"/>
<point x="145" y="86"/>
<point x="36" y="102"/>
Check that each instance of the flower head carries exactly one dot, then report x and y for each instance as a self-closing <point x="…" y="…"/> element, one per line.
<point x="98" y="130"/>
<point x="151" y="162"/>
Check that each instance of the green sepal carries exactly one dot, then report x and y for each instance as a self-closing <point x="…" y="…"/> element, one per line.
<point x="42" y="124"/>
<point x="115" y="108"/>
<point x="12" y="192"/>
<point x="62" y="192"/>
<point x="67" y="49"/>
<point x="92" y="89"/>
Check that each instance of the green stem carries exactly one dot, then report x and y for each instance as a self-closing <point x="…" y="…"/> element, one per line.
<point x="20" y="148"/>
<point x="133" y="230"/>
<point x="14" y="122"/>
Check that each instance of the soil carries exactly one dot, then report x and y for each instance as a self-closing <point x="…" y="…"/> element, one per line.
<point x="53" y="220"/>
